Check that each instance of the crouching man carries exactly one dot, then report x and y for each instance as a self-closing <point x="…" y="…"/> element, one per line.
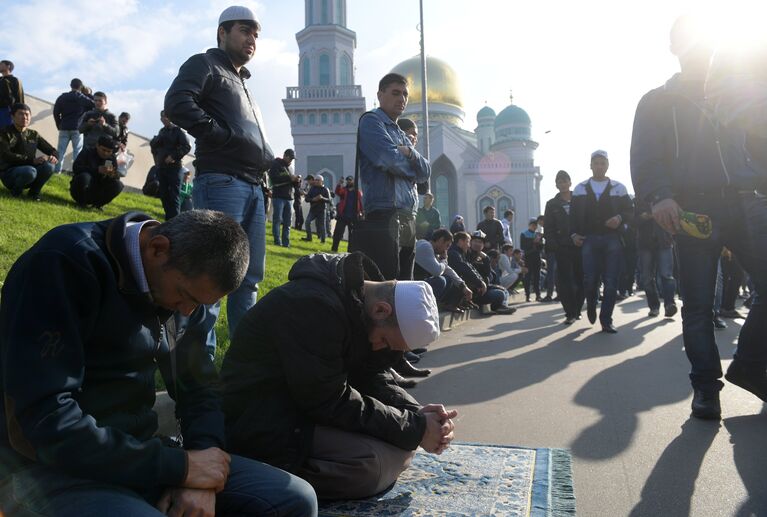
<point x="96" y="181"/>
<point x="304" y="387"/>
<point x="85" y="322"/>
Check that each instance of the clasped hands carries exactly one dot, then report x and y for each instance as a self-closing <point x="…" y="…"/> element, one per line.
<point x="439" y="428"/>
<point x="207" y="472"/>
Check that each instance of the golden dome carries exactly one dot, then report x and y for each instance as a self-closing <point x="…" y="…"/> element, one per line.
<point x="442" y="81"/>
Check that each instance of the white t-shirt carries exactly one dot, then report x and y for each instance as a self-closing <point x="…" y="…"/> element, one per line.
<point x="598" y="187"/>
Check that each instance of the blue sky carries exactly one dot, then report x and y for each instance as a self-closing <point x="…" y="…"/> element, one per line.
<point x="578" y="68"/>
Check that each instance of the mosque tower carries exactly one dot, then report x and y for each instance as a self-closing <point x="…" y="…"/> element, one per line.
<point x="325" y="107"/>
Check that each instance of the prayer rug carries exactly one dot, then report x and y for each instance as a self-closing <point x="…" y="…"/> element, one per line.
<point x="474" y="480"/>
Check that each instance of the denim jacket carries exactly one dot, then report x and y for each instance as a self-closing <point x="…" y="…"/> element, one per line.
<point x="388" y="177"/>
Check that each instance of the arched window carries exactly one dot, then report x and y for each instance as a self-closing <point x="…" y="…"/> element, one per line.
<point x="306" y="72"/>
<point x="345" y="75"/>
<point x="347" y="118"/>
<point x="312" y="119"/>
<point x="328" y="177"/>
<point x="504" y="203"/>
<point x="484" y="202"/>
<point x="324" y="119"/>
<point x="300" y="119"/>
<point x="324" y="70"/>
<point x="336" y="118"/>
<point x="325" y="12"/>
<point x="442" y="198"/>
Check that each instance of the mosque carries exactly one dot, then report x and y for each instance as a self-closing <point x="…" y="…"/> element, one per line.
<point x="493" y="165"/>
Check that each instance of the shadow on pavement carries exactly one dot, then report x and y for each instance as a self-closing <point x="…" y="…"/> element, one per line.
<point x="747" y="435"/>
<point x="670" y="487"/>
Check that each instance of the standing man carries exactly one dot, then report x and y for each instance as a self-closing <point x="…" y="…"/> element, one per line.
<point x="282" y="196"/>
<point x="20" y="168"/>
<point x="531" y="242"/>
<point x="349" y="208"/>
<point x="169" y="147"/>
<point x="298" y="195"/>
<point x="86" y="321"/>
<point x="493" y="229"/>
<point x="209" y="100"/>
<point x="122" y="130"/>
<point x="655" y="247"/>
<point x="390" y="168"/>
<point x="98" y="122"/>
<point x="508" y="217"/>
<point x="569" y="271"/>
<point x="600" y="207"/>
<point x="11" y="92"/>
<point x="683" y="160"/>
<point x="428" y="218"/>
<point x="318" y="198"/>
<point x="67" y="110"/>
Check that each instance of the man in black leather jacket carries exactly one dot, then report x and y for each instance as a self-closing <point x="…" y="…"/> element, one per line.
<point x="210" y="100"/>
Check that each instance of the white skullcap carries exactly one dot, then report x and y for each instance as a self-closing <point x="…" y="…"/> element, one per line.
<point x="599" y="152"/>
<point x="237" y="13"/>
<point x="417" y="313"/>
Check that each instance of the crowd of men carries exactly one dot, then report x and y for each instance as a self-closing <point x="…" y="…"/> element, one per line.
<point x="308" y="403"/>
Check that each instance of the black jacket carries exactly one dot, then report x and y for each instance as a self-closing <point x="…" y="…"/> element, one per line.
<point x="301" y="357"/>
<point x="11" y="91"/>
<point x="68" y="109"/>
<point x="79" y="348"/>
<point x="279" y="176"/>
<point x="677" y="146"/>
<point x="556" y="228"/>
<point x="89" y="161"/>
<point x="20" y="148"/>
<point x="169" y="141"/>
<point x="456" y="259"/>
<point x="209" y="99"/>
<point x="588" y="215"/>
<point x="493" y="232"/>
<point x="92" y="132"/>
<point x="650" y="236"/>
<point x="426" y="221"/>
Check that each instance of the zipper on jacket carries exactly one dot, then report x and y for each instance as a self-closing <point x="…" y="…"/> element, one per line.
<point x="676" y="130"/>
<point x="721" y="159"/>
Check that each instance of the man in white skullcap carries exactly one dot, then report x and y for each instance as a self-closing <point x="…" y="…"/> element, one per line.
<point x="210" y="100"/>
<point x="305" y="382"/>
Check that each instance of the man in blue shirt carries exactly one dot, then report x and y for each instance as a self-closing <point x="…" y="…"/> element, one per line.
<point x="390" y="168"/>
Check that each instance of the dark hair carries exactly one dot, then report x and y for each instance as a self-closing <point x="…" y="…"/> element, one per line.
<point x="508" y="213"/>
<point x="461" y="236"/>
<point x="488" y="207"/>
<point x="124" y="114"/>
<point x="441" y="234"/>
<point x="7" y="63"/>
<point x="540" y="218"/>
<point x="100" y="94"/>
<point x="562" y="175"/>
<point x="20" y="106"/>
<point x="390" y="79"/>
<point x="205" y="242"/>
<point x="506" y="247"/>
<point x="76" y="83"/>
<point x="405" y="124"/>
<point x="516" y="250"/>
<point x="493" y="254"/>
<point x="106" y="141"/>
<point x="289" y="152"/>
<point x="228" y="27"/>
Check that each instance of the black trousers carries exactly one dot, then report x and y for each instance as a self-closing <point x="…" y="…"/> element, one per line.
<point x="95" y="190"/>
<point x="570" y="280"/>
<point x="533" y="277"/>
<point x="388" y="238"/>
<point x="732" y="274"/>
<point x="170" y="178"/>
<point x="342" y="223"/>
<point x="298" y="209"/>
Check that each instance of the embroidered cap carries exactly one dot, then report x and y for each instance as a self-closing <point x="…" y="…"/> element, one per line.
<point x="237" y="13"/>
<point x="599" y="152"/>
<point x="417" y="313"/>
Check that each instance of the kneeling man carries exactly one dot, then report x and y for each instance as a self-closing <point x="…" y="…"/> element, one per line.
<point x="304" y="381"/>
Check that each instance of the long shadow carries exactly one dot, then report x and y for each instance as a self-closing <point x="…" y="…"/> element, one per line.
<point x="623" y="391"/>
<point x="669" y="488"/>
<point x="486" y="380"/>
<point x="747" y="437"/>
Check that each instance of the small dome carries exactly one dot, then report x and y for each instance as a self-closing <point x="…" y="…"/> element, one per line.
<point x="485" y="113"/>
<point x="443" y="83"/>
<point x="512" y="116"/>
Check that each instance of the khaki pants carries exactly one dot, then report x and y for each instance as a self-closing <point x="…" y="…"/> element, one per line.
<point x="345" y="465"/>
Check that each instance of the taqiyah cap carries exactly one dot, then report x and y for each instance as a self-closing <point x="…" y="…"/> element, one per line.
<point x="417" y="313"/>
<point x="599" y="152"/>
<point x="235" y="13"/>
<point x="478" y="234"/>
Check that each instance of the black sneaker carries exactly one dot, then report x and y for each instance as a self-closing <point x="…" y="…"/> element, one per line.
<point x="609" y="328"/>
<point x="705" y="405"/>
<point x="505" y="310"/>
<point x="670" y="310"/>
<point x="654" y="313"/>
<point x="719" y="323"/>
<point x="569" y="320"/>
<point x="751" y="380"/>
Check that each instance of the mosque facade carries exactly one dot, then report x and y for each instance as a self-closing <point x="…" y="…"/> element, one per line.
<point x="493" y="165"/>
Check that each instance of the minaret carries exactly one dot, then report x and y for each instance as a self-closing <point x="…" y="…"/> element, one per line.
<point x="325" y="107"/>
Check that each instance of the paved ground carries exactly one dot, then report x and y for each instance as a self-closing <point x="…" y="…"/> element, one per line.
<point x="619" y="402"/>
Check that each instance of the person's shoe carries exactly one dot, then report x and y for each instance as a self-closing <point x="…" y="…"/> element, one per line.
<point x="334" y="250"/>
<point x="705" y="405"/>
<point x="547" y="299"/>
<point x="286" y="245"/>
<point x="322" y="241"/>
<point x="34" y="196"/>
<point x="411" y="357"/>
<point x="505" y="310"/>
<point x="579" y="317"/>
<point x="527" y="298"/>
<point x="731" y="314"/>
<point x="408" y="370"/>
<point x="538" y="298"/>
<point x="16" y="192"/>
<point x="555" y="299"/>
<point x="569" y="320"/>
<point x="608" y="328"/>
<point x="750" y="380"/>
<point x="306" y="239"/>
<point x="620" y="297"/>
<point x="654" y="313"/>
<point x="749" y="302"/>
<point x="670" y="310"/>
<point x="591" y="312"/>
<point x="719" y="323"/>
<point x="401" y="381"/>
<point x="470" y="305"/>
<point x="419" y="351"/>
<point x="453" y="309"/>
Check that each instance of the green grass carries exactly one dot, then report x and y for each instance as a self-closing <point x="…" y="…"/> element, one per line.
<point x="24" y="222"/>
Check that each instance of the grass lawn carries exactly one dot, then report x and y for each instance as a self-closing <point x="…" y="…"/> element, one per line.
<point x="24" y="222"/>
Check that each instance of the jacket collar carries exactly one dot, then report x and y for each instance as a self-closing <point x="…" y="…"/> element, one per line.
<point x="224" y="58"/>
<point x="118" y="254"/>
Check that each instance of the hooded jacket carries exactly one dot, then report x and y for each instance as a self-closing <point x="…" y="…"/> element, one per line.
<point x="301" y="357"/>
<point x="79" y="348"/>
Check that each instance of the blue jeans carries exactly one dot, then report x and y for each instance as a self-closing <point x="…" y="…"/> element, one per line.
<point x="739" y="221"/>
<point x="602" y="258"/>
<point x="253" y="488"/>
<point x="656" y="263"/>
<point x="244" y="202"/>
<point x="33" y="177"/>
<point x="319" y="221"/>
<point x="282" y="212"/>
<point x="5" y="117"/>
<point x="66" y="136"/>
